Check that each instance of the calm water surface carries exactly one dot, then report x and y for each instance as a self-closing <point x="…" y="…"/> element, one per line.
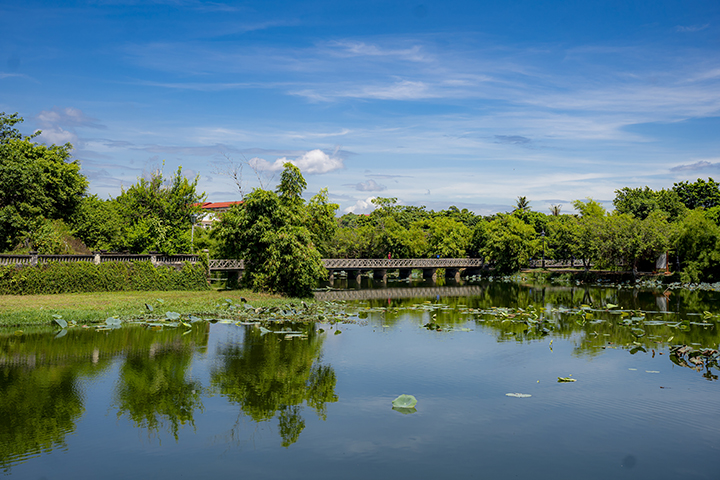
<point x="236" y="401"/>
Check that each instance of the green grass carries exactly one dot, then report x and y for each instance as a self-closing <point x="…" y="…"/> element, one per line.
<point x="89" y="308"/>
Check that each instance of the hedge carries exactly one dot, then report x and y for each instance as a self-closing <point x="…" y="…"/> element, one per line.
<point x="77" y="277"/>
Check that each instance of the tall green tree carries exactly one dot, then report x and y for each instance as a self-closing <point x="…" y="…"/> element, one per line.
<point x="156" y="213"/>
<point x="446" y="237"/>
<point x="589" y="208"/>
<point x="627" y="240"/>
<point x="37" y="183"/>
<point x="321" y="221"/>
<point x="270" y="233"/>
<point x="698" y="248"/>
<point x="509" y="243"/>
<point x="640" y="203"/>
<point x="699" y="193"/>
<point x="637" y="202"/>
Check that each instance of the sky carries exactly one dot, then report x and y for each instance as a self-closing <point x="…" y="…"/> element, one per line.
<point x="465" y="103"/>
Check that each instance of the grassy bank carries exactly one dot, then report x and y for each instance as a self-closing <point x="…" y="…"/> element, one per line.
<point x="87" y="308"/>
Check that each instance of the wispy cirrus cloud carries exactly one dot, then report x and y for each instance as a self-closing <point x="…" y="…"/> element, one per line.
<point x="691" y="28"/>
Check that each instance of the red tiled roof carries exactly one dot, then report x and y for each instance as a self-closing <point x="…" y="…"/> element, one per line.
<point x="215" y="205"/>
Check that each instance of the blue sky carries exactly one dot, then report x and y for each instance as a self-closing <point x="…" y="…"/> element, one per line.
<point x="466" y="103"/>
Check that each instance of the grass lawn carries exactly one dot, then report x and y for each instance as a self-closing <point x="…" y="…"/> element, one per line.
<point x="86" y="308"/>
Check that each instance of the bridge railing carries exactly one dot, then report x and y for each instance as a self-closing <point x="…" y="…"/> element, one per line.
<point x="371" y="263"/>
<point x="98" y="257"/>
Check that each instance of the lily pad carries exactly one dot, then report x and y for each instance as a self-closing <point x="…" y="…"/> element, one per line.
<point x="60" y="321"/>
<point x="518" y="395"/>
<point x="112" y="321"/>
<point x="566" y="379"/>
<point x="172" y="315"/>
<point x="405" y="401"/>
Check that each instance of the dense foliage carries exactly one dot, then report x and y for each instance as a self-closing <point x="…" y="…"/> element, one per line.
<point x="39" y="186"/>
<point x="74" y="277"/>
<point x="277" y="235"/>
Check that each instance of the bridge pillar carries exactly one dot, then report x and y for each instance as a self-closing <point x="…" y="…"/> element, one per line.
<point x="380" y="274"/>
<point x="453" y="273"/>
<point x="430" y="274"/>
<point x="404" y="273"/>
<point x="355" y="275"/>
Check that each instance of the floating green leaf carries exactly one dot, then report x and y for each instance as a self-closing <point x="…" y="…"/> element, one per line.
<point x="59" y="320"/>
<point x="405" y="401"/>
<point x="566" y="379"/>
<point x="172" y="315"/>
<point x="149" y="307"/>
<point x="112" y="321"/>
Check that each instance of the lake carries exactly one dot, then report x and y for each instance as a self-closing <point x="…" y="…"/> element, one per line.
<point x="601" y="387"/>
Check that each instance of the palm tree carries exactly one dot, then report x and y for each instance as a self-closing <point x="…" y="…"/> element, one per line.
<point x="522" y="205"/>
<point x="555" y="210"/>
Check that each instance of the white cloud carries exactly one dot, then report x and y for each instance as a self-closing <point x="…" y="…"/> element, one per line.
<point x="57" y="136"/>
<point x="314" y="161"/>
<point x="68" y="117"/>
<point x="58" y="125"/>
<point x="368" y="186"/>
<point x="362" y="206"/>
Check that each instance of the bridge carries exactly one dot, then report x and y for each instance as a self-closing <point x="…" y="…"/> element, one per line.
<point x="354" y="268"/>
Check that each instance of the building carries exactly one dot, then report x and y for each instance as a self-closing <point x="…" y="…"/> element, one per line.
<point x="212" y="211"/>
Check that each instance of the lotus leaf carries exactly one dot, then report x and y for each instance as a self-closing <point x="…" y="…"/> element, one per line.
<point x="172" y="315"/>
<point x="405" y="401"/>
<point x="60" y="321"/>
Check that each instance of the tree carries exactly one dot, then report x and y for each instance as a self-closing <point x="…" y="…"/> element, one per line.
<point x="627" y="240"/>
<point x="537" y="220"/>
<point x="98" y="223"/>
<point x="698" y="248"/>
<point x="563" y="237"/>
<point x="641" y="203"/>
<point x="7" y="128"/>
<point x="522" y="204"/>
<point x="37" y="184"/>
<point x="446" y="237"/>
<point x="698" y="194"/>
<point x="509" y="243"/>
<point x="321" y="221"/>
<point x="589" y="208"/>
<point x="637" y="202"/>
<point x="270" y="233"/>
<point x="155" y="213"/>
<point x="555" y="210"/>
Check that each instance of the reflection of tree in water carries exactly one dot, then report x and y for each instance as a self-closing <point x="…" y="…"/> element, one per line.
<point x="39" y="408"/>
<point x="269" y="376"/>
<point x="153" y="388"/>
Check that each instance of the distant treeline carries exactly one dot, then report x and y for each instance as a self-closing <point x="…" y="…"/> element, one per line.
<point x="681" y="221"/>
